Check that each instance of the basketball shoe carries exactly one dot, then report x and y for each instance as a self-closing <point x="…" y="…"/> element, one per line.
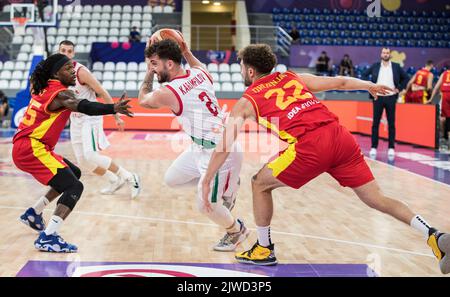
<point x="35" y="221"/>
<point x="230" y="241"/>
<point x="53" y="243"/>
<point x="440" y="244"/>
<point x="258" y="255"/>
<point x="113" y="187"/>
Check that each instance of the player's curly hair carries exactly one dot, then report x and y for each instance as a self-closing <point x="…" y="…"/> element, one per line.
<point x="44" y="71"/>
<point x="258" y="56"/>
<point x="165" y="49"/>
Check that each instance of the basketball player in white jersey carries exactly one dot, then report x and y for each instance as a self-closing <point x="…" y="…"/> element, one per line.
<point x="87" y="135"/>
<point x="190" y="95"/>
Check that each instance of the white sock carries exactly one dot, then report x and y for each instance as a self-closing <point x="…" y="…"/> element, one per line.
<point x="53" y="225"/>
<point x="123" y="173"/>
<point x="236" y="227"/>
<point x="111" y="176"/>
<point x="264" y="236"/>
<point x="41" y="204"/>
<point x="421" y="225"/>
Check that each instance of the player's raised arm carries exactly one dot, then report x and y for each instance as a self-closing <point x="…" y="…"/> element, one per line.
<point x="241" y="111"/>
<point x="322" y="83"/>
<point x="158" y="98"/>
<point x="67" y="99"/>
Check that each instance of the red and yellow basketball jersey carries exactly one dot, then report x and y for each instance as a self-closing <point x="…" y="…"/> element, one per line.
<point x="445" y="87"/>
<point x="422" y="77"/>
<point x="285" y="106"/>
<point x="41" y="124"/>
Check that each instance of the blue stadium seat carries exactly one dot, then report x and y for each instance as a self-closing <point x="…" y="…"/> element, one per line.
<point x="326" y="11"/>
<point x="442" y="43"/>
<point x="275" y="10"/>
<point x="286" y="10"/>
<point x="296" y="11"/>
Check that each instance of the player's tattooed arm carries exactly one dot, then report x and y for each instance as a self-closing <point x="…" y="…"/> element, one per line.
<point x="147" y="84"/>
<point x="67" y="99"/>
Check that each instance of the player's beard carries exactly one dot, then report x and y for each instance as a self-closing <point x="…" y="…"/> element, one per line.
<point x="247" y="81"/>
<point x="163" y="77"/>
<point x="386" y="59"/>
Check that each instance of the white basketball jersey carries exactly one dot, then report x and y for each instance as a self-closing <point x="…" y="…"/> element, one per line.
<point x="200" y="114"/>
<point x="82" y="91"/>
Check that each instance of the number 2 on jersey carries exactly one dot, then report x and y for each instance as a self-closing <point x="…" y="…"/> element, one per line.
<point x="284" y="101"/>
<point x="209" y="104"/>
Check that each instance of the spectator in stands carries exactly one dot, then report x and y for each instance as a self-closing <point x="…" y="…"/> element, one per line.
<point x="323" y="64"/>
<point x="295" y="35"/>
<point x="135" y="36"/>
<point x="346" y="67"/>
<point x="4" y="106"/>
<point x="392" y="75"/>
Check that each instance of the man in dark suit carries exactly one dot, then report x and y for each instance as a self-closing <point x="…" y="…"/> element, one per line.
<point x="392" y="75"/>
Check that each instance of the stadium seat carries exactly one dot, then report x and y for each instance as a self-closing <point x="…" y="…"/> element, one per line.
<point x="119" y="86"/>
<point x="226" y="87"/>
<point x="236" y="77"/>
<point x="235" y="67"/>
<point x="224" y="67"/>
<point x="238" y="87"/>
<point x="168" y="9"/>
<point x="132" y="66"/>
<point x="23" y="84"/>
<point x="14" y="84"/>
<point x="137" y="9"/>
<point x="117" y="9"/>
<point x="157" y="9"/>
<point x="109" y="66"/>
<point x="281" y="68"/>
<point x="224" y="77"/>
<point x="131" y="86"/>
<point x="147" y="9"/>
<point x="107" y="84"/>
<point x="20" y="65"/>
<point x="131" y="76"/>
<point x="212" y="67"/>
<point x="4" y="84"/>
<point x="142" y="66"/>
<point x="23" y="56"/>
<point x="5" y="74"/>
<point x="17" y="74"/>
<point x="217" y="86"/>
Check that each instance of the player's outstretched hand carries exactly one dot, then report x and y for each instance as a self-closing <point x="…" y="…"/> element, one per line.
<point x="377" y="90"/>
<point x="122" y="106"/>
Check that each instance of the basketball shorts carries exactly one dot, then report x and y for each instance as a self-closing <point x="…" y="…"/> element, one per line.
<point x="39" y="160"/>
<point x="330" y="149"/>
<point x="445" y="108"/>
<point x="189" y="168"/>
<point x="87" y="131"/>
<point x="416" y="97"/>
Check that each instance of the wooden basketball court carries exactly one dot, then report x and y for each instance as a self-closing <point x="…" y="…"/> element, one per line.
<point x="322" y="223"/>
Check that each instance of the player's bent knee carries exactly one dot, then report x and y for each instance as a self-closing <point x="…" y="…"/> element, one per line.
<point x="71" y="195"/>
<point x="97" y="160"/>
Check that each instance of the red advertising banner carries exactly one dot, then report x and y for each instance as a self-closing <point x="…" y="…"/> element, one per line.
<point x="415" y="123"/>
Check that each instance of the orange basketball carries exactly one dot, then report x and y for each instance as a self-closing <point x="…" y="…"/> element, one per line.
<point x="168" y="34"/>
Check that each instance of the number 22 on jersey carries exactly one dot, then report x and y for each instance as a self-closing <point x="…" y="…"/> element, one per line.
<point x="283" y="99"/>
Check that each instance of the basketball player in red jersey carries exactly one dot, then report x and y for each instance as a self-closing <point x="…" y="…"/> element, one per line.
<point x="420" y="85"/>
<point x="443" y="85"/>
<point x="285" y="104"/>
<point x="34" y="142"/>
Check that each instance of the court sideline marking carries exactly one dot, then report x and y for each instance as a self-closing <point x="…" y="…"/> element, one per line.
<point x="367" y="245"/>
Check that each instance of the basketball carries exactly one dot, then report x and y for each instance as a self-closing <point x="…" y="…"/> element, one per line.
<point x="168" y="34"/>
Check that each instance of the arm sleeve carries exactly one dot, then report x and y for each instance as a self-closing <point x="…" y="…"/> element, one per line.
<point x="95" y="108"/>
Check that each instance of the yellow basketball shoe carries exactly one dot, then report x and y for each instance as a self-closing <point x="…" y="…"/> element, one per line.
<point x="440" y="245"/>
<point x="258" y="255"/>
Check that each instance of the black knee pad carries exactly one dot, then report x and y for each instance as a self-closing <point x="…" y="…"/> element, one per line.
<point x="71" y="195"/>
<point x="74" y="168"/>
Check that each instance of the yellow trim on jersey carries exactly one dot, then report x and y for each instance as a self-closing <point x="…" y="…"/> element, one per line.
<point x="283" y="161"/>
<point x="282" y="134"/>
<point x="40" y="130"/>
<point x="424" y="97"/>
<point x="43" y="155"/>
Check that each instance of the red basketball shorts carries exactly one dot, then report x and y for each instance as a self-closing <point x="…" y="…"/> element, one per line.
<point x="330" y="149"/>
<point x="34" y="157"/>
